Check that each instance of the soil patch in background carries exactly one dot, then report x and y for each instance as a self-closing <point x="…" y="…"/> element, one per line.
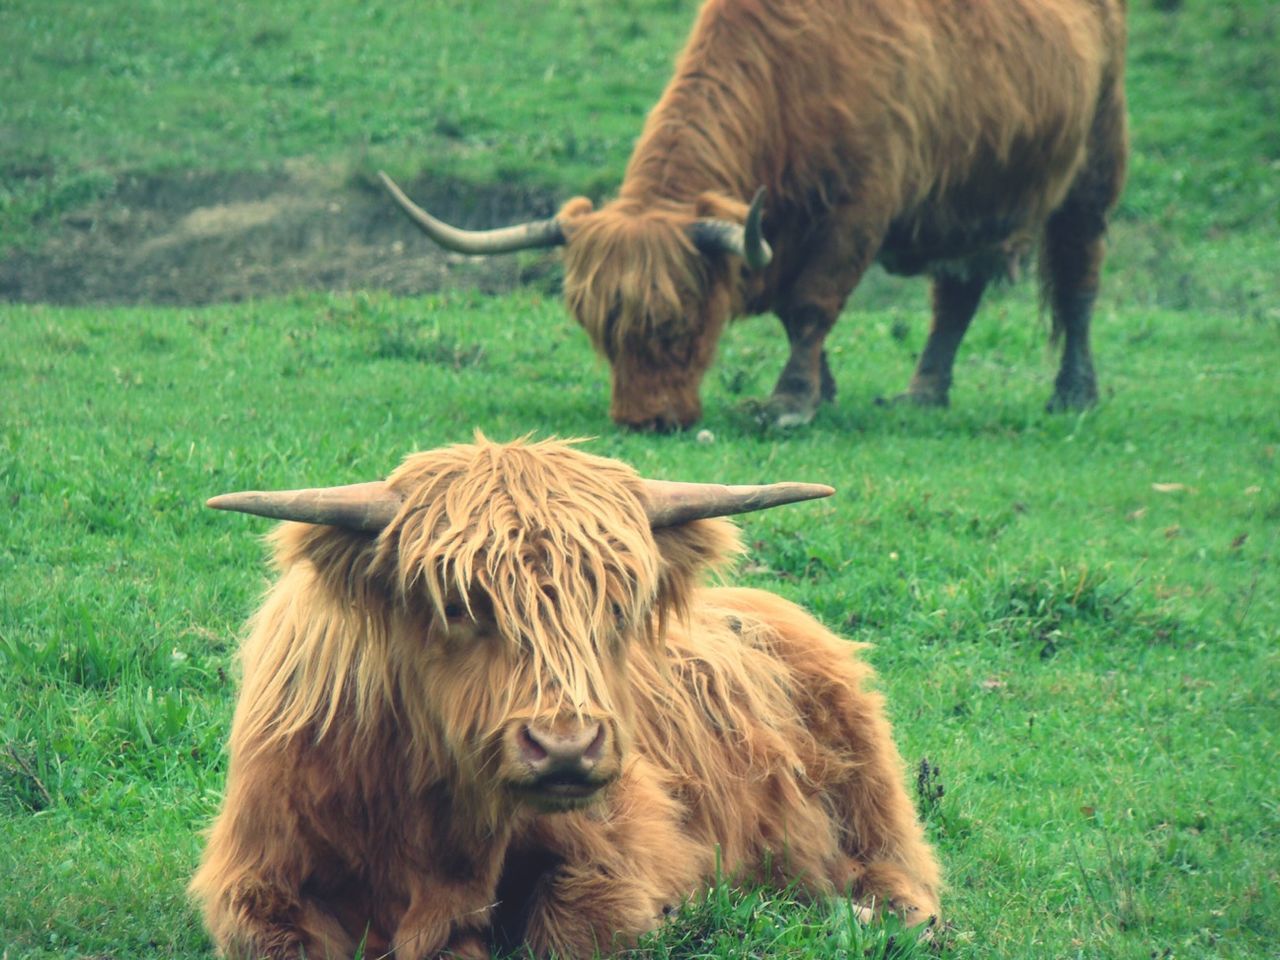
<point x="199" y="238"/>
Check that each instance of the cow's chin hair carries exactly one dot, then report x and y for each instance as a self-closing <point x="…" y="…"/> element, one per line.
<point x="547" y="801"/>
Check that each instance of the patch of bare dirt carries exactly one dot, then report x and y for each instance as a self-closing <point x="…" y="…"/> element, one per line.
<point x="198" y="238"/>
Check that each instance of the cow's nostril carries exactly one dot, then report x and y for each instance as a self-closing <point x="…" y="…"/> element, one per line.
<point x="530" y="748"/>
<point x="596" y="747"/>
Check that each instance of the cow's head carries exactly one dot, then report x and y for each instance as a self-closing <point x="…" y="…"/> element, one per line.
<point x="653" y="284"/>
<point x="497" y="590"/>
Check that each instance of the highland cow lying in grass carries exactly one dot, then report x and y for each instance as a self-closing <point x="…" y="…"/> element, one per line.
<point x="487" y="703"/>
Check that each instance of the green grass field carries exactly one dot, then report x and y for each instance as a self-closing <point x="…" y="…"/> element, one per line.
<point x="1076" y="619"/>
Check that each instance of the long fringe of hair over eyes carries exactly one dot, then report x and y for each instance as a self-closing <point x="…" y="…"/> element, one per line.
<point x="554" y="540"/>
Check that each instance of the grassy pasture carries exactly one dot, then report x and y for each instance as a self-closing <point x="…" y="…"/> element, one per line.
<point x="1088" y="658"/>
<point x="1075" y="619"/>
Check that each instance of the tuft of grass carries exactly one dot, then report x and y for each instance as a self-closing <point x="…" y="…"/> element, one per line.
<point x="729" y="922"/>
<point x="426" y="345"/>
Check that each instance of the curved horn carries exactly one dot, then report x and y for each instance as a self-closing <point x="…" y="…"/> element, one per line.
<point x="524" y="236"/>
<point x="755" y="249"/>
<point x="371" y="506"/>
<point x="670" y="503"/>
<point x="357" y="506"/>
<point x="745" y="240"/>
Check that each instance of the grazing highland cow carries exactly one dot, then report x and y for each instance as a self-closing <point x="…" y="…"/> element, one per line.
<point x="937" y="137"/>
<point x="487" y="703"/>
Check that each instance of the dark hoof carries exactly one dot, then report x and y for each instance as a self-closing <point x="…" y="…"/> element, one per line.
<point x="914" y="398"/>
<point x="783" y="411"/>
<point x="1073" y="400"/>
<point x="786" y="411"/>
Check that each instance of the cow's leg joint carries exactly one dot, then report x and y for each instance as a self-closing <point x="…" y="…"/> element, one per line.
<point x="806" y="380"/>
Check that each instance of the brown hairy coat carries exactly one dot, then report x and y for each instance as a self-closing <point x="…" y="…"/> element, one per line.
<point x="938" y="137"/>
<point x="379" y="790"/>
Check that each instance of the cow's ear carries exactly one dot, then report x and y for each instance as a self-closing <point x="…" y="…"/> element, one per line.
<point x="716" y="206"/>
<point x="345" y="560"/>
<point x="689" y="554"/>
<point x="573" y="208"/>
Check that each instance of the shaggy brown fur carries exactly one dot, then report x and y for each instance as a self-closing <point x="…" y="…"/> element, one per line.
<point x="937" y="136"/>
<point x="376" y="793"/>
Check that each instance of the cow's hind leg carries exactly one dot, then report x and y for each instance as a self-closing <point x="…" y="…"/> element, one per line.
<point x="1071" y="260"/>
<point x="884" y="861"/>
<point x="890" y="865"/>
<point x="955" y="300"/>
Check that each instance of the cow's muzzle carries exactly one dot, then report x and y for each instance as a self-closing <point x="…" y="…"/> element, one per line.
<point x="560" y="765"/>
<point x="652" y="407"/>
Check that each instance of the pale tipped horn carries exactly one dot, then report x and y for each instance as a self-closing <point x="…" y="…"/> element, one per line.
<point x="669" y="503"/>
<point x="357" y="506"/>
<point x="524" y="236"/>
<point x="371" y="506"/>
<point x="745" y="240"/>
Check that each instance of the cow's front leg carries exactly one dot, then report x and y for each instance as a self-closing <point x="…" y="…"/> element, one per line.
<point x="836" y="254"/>
<point x="616" y="877"/>
<point x="583" y="911"/>
<point x="444" y="920"/>
<point x="806" y="380"/>
<point x="258" y="920"/>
